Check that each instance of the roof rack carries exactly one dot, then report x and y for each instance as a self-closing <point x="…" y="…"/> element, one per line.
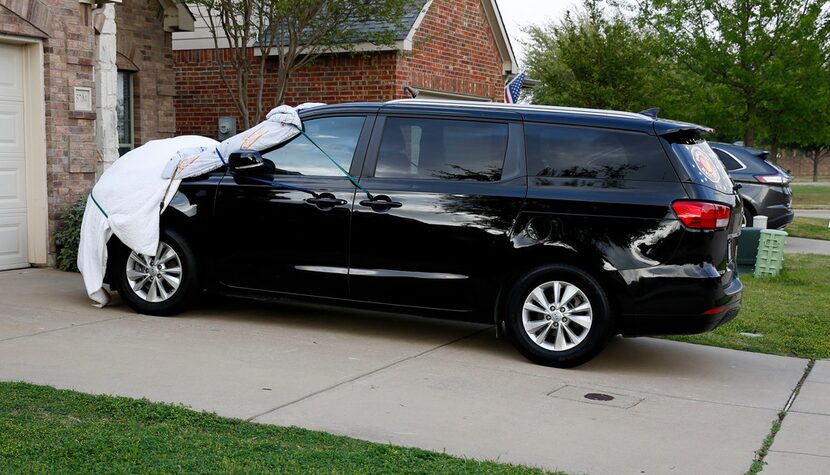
<point x="524" y="107"/>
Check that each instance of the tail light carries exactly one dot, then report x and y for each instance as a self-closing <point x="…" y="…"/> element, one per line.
<point x="702" y="215"/>
<point x="773" y="179"/>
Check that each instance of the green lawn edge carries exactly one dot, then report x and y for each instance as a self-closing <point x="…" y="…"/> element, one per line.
<point x="810" y="228"/>
<point x="43" y="429"/>
<point x="810" y="196"/>
<point x="791" y="312"/>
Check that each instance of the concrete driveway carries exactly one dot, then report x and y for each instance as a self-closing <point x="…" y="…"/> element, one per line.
<point x="439" y="385"/>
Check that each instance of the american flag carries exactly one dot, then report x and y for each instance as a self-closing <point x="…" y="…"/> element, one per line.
<point x="514" y="88"/>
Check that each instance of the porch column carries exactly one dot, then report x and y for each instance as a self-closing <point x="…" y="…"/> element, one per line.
<point x="106" y="83"/>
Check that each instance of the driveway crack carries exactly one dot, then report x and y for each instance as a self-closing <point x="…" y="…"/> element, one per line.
<point x="758" y="463"/>
<point x="52" y="330"/>
<point x="365" y="375"/>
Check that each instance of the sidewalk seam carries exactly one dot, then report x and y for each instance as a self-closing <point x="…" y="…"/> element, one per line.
<point x="811" y="413"/>
<point x="365" y="375"/>
<point x="766" y="445"/>
<point x="800" y="453"/>
<point x="61" y="328"/>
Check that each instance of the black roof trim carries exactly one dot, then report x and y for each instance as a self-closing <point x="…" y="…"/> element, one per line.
<point x="528" y="113"/>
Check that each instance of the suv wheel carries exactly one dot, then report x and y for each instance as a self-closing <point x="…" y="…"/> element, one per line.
<point x="164" y="284"/>
<point x="558" y="316"/>
<point x="748" y="216"/>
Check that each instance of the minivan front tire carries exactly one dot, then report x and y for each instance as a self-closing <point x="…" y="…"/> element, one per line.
<point x="558" y="315"/>
<point x="163" y="285"/>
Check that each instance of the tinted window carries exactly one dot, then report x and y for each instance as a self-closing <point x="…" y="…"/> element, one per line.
<point x="336" y="135"/>
<point x="442" y="149"/>
<point x="729" y="162"/>
<point x="581" y="152"/>
<point x="702" y="164"/>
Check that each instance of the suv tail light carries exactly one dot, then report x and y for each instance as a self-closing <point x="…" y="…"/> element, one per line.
<point x="702" y="215"/>
<point x="772" y="179"/>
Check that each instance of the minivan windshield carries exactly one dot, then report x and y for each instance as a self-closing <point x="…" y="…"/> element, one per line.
<point x="703" y="165"/>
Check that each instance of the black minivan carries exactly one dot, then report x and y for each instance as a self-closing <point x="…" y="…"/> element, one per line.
<point x="562" y="226"/>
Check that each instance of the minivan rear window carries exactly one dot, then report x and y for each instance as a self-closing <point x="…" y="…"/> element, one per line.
<point x="584" y="152"/>
<point x="703" y="165"/>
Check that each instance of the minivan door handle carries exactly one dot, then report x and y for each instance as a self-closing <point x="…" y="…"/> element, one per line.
<point x="326" y="201"/>
<point x="381" y="203"/>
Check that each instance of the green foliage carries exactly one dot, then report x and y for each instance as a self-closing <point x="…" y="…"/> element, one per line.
<point x="758" y="462"/>
<point x="590" y="60"/>
<point x="791" y="311"/>
<point x="44" y="430"/>
<point x="755" y="70"/>
<point x="68" y="236"/>
<point x="764" y="58"/>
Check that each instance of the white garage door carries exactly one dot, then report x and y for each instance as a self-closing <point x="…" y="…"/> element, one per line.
<point x="13" y="252"/>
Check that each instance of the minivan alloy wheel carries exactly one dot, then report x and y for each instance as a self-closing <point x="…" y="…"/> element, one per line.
<point x="155" y="279"/>
<point x="557" y="315"/>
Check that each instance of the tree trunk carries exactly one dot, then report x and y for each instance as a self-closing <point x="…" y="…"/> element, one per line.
<point x="815" y="165"/>
<point x="773" y="149"/>
<point x="749" y="134"/>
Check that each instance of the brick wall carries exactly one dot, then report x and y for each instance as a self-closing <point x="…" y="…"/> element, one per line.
<point x="345" y="78"/>
<point x="148" y="48"/>
<point x="203" y="97"/>
<point x="802" y="167"/>
<point x="69" y="53"/>
<point x="453" y="51"/>
<point x="70" y="136"/>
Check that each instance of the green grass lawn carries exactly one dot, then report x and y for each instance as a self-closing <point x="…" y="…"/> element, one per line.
<point x="791" y="312"/>
<point x="812" y="228"/>
<point x="45" y="430"/>
<point x="811" y="197"/>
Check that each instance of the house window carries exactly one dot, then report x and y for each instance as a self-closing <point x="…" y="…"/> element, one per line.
<point x="124" y="111"/>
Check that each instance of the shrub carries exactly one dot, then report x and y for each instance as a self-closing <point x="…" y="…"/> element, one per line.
<point x="68" y="236"/>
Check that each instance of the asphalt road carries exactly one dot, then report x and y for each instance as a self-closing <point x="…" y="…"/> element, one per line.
<point x="676" y="407"/>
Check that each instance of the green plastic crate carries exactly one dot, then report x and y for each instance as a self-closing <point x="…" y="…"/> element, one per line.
<point x="770" y="259"/>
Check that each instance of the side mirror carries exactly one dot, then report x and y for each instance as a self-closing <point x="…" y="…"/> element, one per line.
<point x="246" y="161"/>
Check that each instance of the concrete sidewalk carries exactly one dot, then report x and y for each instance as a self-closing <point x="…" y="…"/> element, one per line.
<point x="439" y="385"/>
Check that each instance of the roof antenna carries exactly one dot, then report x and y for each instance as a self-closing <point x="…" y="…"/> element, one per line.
<point x="411" y="91"/>
<point x="651" y="112"/>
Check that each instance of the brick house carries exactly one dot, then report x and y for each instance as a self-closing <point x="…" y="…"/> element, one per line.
<point x="452" y="49"/>
<point x="79" y="81"/>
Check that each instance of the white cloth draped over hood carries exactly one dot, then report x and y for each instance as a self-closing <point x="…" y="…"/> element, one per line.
<point x="130" y="196"/>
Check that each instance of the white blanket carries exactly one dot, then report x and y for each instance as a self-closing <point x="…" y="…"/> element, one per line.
<point x="130" y="196"/>
<point x="280" y="125"/>
<point x="130" y="193"/>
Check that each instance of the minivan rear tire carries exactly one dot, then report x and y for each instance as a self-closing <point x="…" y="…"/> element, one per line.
<point x="523" y="324"/>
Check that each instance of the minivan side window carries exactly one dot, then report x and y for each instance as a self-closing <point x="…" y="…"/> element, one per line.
<point x="584" y="152"/>
<point x="338" y="136"/>
<point x="442" y="149"/>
